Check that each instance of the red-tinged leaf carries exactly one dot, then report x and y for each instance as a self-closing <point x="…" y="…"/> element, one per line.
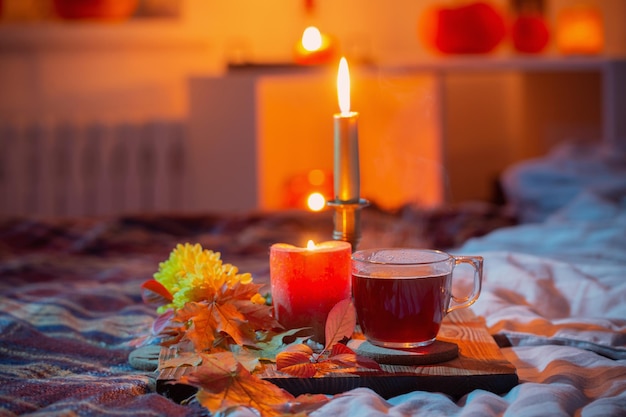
<point x="300" y="347"/>
<point x="340" y="348"/>
<point x="163" y="322"/>
<point x="347" y="360"/>
<point x="301" y="370"/>
<point x="342" y="355"/>
<point x="368" y="363"/>
<point x="296" y="364"/>
<point x="166" y="329"/>
<point x="340" y="323"/>
<point x="286" y="359"/>
<point x="153" y="292"/>
<point x="225" y="383"/>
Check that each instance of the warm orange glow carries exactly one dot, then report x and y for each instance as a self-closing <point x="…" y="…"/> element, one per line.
<point x="580" y="31"/>
<point x="316" y="177"/>
<point x="343" y="86"/>
<point x="316" y="201"/>
<point x="311" y="39"/>
<point x="310" y="245"/>
<point x="314" y="48"/>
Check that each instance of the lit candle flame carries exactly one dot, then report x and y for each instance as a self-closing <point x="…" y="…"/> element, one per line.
<point x="310" y="245"/>
<point x="311" y="39"/>
<point x="343" y="86"/>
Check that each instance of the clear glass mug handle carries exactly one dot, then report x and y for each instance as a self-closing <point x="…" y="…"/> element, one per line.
<point x="477" y="263"/>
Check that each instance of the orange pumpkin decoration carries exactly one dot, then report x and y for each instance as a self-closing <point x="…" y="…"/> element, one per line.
<point x="580" y="30"/>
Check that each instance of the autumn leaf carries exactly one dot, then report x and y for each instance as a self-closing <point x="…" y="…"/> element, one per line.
<point x="153" y="292"/>
<point x="182" y="359"/>
<point x="223" y="382"/>
<point x="340" y="323"/>
<point x="302" y="348"/>
<point x="228" y="319"/>
<point x="210" y="324"/>
<point x="200" y="332"/>
<point x="163" y="322"/>
<point x="342" y="354"/>
<point x="368" y="363"/>
<point x="273" y="344"/>
<point x="258" y="316"/>
<point x="296" y="363"/>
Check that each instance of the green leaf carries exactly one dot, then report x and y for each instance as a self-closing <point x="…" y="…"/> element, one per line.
<point x="269" y="349"/>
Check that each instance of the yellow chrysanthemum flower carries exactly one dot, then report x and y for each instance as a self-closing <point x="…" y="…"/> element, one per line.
<point x="195" y="274"/>
<point x="258" y="299"/>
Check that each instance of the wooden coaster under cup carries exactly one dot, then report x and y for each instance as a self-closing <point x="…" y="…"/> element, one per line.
<point x="437" y="352"/>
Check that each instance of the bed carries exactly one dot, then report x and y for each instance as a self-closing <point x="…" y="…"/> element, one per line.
<point x="554" y="295"/>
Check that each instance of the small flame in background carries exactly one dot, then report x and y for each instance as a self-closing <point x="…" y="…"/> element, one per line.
<point x="316" y="201"/>
<point x="309" y="190"/>
<point x="310" y="245"/>
<point x="311" y="39"/>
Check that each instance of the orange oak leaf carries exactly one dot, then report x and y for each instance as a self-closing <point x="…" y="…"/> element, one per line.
<point x="340" y="323"/>
<point x="211" y="324"/>
<point x="223" y="382"/>
<point x="258" y="316"/>
<point x="228" y="319"/>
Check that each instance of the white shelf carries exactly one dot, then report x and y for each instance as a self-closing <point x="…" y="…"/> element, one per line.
<point x="504" y="63"/>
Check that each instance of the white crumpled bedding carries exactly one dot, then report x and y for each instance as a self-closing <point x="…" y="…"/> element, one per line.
<point x="555" y="292"/>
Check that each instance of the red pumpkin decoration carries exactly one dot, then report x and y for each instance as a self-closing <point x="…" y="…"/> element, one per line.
<point x="530" y="33"/>
<point x="473" y="28"/>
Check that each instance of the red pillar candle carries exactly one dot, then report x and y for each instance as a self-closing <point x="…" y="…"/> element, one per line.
<point x="307" y="282"/>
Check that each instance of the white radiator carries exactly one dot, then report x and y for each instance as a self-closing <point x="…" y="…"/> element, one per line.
<point x="65" y="170"/>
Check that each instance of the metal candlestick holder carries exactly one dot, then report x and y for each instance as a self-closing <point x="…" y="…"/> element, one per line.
<point x="347" y="220"/>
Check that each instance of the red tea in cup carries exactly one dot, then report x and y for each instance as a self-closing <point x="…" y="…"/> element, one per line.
<point x="402" y="295"/>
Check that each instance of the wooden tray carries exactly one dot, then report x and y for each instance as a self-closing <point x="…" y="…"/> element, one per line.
<point x="479" y="365"/>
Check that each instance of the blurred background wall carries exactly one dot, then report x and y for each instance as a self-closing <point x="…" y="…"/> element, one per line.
<point x="84" y="101"/>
